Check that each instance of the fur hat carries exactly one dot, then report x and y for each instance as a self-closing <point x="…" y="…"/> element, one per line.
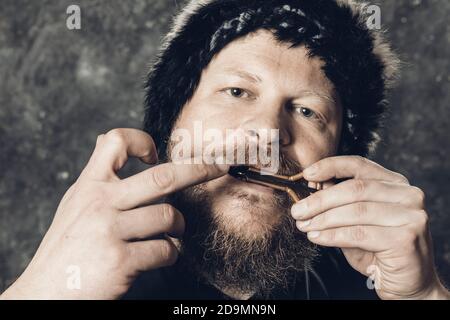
<point x="358" y="61"/>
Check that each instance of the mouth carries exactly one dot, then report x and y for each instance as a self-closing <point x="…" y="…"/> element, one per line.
<point x="294" y="185"/>
<point x="254" y="188"/>
<point x="249" y="187"/>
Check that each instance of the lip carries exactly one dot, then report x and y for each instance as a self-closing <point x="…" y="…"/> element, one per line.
<point x="294" y="185"/>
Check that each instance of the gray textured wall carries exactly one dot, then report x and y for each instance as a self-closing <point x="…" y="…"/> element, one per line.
<point x="59" y="89"/>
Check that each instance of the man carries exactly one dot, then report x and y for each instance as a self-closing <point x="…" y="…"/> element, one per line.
<point x="309" y="69"/>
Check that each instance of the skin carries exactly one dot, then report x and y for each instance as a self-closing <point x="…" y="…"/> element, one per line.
<point x="99" y="228"/>
<point x="380" y="222"/>
<point x="273" y="94"/>
<point x="375" y="216"/>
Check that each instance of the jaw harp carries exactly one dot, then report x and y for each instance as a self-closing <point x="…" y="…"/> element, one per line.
<point x="295" y="186"/>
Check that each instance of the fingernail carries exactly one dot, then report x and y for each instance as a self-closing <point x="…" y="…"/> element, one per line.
<point x="302" y="224"/>
<point x="299" y="209"/>
<point x="311" y="171"/>
<point x="312" y="185"/>
<point x="313" y="234"/>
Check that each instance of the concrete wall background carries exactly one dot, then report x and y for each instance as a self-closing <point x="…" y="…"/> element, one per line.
<point x="59" y="89"/>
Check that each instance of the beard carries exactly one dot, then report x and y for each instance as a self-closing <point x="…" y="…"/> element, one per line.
<point x="250" y="245"/>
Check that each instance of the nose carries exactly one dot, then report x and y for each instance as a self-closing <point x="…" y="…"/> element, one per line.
<point x="265" y="121"/>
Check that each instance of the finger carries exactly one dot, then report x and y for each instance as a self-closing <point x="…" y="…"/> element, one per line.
<point x="151" y="254"/>
<point x="113" y="149"/>
<point x="328" y="184"/>
<point x="356" y="190"/>
<point x="161" y="180"/>
<point x="361" y="213"/>
<point x="150" y="221"/>
<point x="369" y="238"/>
<point x="350" y="167"/>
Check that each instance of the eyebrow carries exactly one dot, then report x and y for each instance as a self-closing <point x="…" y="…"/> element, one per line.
<point x="244" y="75"/>
<point x="256" y="79"/>
<point x="320" y="95"/>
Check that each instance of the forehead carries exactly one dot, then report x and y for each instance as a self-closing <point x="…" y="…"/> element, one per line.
<point x="261" y="54"/>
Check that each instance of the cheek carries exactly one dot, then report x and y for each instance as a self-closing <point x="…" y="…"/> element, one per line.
<point x="199" y="122"/>
<point x="210" y="113"/>
<point x="310" y="146"/>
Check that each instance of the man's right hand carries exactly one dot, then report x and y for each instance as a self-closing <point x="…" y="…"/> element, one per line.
<point x="106" y="229"/>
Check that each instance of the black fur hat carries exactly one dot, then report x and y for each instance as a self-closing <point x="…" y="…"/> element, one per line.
<point x="358" y="61"/>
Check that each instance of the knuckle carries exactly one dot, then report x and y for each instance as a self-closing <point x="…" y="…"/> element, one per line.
<point x="331" y="235"/>
<point x="360" y="160"/>
<point x="168" y="252"/>
<point x="320" y="165"/>
<point x="419" y="195"/>
<point x="313" y="201"/>
<point x="401" y="178"/>
<point x="361" y="209"/>
<point x="149" y="153"/>
<point x="201" y="171"/>
<point x="358" y="233"/>
<point x="116" y="136"/>
<point x="168" y="215"/>
<point x="163" y="177"/>
<point x="358" y="187"/>
<point x="99" y="139"/>
<point x="422" y="218"/>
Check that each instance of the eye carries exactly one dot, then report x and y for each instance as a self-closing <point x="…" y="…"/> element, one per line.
<point x="305" y="112"/>
<point x="237" y="92"/>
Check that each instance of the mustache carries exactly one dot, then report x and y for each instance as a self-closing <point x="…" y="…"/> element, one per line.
<point x="287" y="166"/>
<point x="241" y="155"/>
<point x="265" y="155"/>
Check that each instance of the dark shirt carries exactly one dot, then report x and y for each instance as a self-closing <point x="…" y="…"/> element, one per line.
<point x="331" y="278"/>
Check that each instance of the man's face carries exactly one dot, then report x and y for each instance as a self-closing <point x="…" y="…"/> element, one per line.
<point x="257" y="83"/>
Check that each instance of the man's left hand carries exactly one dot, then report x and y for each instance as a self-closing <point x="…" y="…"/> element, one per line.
<point x="380" y="222"/>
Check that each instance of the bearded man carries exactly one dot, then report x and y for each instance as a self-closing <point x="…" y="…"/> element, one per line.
<point x="315" y="72"/>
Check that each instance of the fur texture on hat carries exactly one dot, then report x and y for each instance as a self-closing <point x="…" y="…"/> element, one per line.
<point x="358" y="61"/>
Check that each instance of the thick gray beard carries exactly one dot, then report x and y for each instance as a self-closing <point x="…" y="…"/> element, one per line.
<point x="230" y="261"/>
